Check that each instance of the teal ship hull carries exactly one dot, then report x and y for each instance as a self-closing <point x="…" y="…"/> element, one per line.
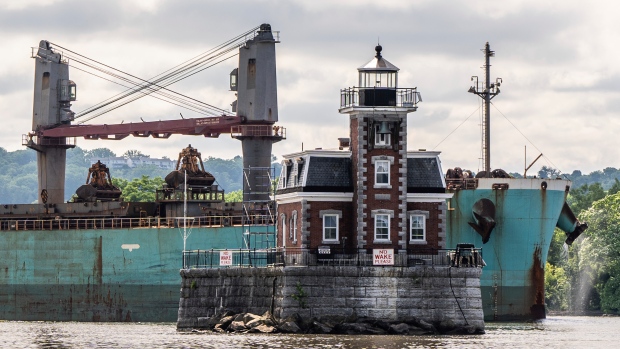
<point x="526" y="214"/>
<point x="109" y="274"/>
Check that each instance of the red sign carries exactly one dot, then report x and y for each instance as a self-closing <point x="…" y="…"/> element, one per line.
<point x="225" y="257"/>
<point x="383" y="256"/>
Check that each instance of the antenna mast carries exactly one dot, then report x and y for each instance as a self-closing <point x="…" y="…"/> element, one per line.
<point x="486" y="91"/>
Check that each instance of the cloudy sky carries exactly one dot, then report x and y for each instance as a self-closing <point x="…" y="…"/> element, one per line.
<point x="559" y="61"/>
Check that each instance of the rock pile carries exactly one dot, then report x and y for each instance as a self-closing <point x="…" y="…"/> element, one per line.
<point x="229" y="321"/>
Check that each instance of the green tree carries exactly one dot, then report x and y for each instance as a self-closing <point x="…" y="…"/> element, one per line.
<point x="134" y="154"/>
<point x="598" y="254"/>
<point x="139" y="189"/>
<point x="556" y="287"/>
<point x="99" y="153"/>
<point x="234" y="196"/>
<point x="548" y="172"/>
<point x="615" y="188"/>
<point x="580" y="199"/>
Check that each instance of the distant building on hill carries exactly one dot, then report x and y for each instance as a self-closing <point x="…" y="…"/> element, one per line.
<point x="120" y="162"/>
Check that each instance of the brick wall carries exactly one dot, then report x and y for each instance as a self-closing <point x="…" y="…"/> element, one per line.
<point x="284" y="237"/>
<point x="346" y="224"/>
<point x="435" y="224"/>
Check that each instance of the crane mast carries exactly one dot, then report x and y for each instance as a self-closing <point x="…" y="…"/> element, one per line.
<point x="256" y="113"/>
<point x="486" y="91"/>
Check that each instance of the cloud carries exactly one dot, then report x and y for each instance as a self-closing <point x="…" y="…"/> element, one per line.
<point x="560" y="71"/>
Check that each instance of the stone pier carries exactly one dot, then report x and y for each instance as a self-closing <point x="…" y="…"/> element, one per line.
<point x="434" y="294"/>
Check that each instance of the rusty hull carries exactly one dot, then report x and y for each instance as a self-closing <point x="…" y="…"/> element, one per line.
<point x="526" y="213"/>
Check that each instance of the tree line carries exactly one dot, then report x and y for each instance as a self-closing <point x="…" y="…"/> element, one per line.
<point x="18" y="174"/>
<point x="585" y="277"/>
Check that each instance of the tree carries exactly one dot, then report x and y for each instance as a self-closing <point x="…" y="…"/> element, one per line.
<point x="139" y="189"/>
<point x="134" y="154"/>
<point x="100" y="153"/>
<point x="615" y="188"/>
<point x="548" y="172"/>
<point x="556" y="287"/>
<point x="580" y="199"/>
<point x="234" y="196"/>
<point x="598" y="254"/>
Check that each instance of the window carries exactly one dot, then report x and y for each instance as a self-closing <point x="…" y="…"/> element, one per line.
<point x="330" y="227"/>
<point x="382" y="138"/>
<point x="417" y="228"/>
<point x="293" y="228"/>
<point x="282" y="179"/>
<point x="382" y="227"/>
<point x="382" y="172"/>
<point x="283" y="217"/>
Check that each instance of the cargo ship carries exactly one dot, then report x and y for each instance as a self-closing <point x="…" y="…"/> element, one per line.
<point x="513" y="220"/>
<point x="98" y="258"/>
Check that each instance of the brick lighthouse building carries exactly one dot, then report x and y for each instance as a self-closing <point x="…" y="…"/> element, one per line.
<point x="370" y="193"/>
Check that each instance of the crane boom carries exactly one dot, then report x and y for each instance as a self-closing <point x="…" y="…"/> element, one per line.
<point x="209" y="127"/>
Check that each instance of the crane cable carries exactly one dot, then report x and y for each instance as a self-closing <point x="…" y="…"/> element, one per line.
<point x="149" y="86"/>
<point x="129" y="87"/>
<point x="147" y="90"/>
<point x="168" y="77"/>
<point x="184" y="65"/>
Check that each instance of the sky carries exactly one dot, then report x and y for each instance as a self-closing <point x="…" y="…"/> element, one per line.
<point x="558" y="61"/>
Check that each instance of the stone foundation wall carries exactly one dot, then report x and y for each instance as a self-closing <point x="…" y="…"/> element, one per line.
<point x="393" y="294"/>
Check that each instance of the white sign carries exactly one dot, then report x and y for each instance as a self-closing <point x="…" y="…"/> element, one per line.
<point x="383" y="256"/>
<point x="226" y="258"/>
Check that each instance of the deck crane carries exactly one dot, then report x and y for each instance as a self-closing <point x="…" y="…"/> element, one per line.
<point x="253" y="123"/>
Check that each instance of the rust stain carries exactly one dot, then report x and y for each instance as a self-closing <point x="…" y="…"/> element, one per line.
<point x="537" y="278"/>
<point x="98" y="268"/>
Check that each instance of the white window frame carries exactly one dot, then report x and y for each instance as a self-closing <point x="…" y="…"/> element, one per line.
<point x="413" y="219"/>
<point x="325" y="227"/>
<point x="294" y="227"/>
<point x="283" y="216"/>
<point x="382" y="138"/>
<point x="377" y="227"/>
<point x="378" y="165"/>
<point x="282" y="179"/>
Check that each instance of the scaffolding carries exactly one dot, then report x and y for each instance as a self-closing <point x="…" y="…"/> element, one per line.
<point x="259" y="209"/>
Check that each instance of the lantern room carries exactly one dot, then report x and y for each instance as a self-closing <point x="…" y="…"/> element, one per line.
<point x="378" y="80"/>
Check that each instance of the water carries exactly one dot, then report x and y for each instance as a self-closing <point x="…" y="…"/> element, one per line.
<point x="554" y="332"/>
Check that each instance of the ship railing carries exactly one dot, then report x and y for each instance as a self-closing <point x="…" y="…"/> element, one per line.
<point x="232" y="258"/>
<point x="258" y="131"/>
<point x="461" y="183"/>
<point x="138" y="222"/>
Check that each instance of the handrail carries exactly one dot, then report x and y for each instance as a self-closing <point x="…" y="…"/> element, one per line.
<point x="373" y="97"/>
<point x="122" y="223"/>
<point x="328" y="256"/>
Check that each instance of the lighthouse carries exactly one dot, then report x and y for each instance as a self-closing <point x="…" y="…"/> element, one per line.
<point x="378" y="110"/>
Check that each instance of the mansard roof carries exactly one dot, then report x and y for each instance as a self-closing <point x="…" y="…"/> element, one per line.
<point x="316" y="171"/>
<point x="326" y="172"/>
<point x="424" y="175"/>
<point x="331" y="171"/>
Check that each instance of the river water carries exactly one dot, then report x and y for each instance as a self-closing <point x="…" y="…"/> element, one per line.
<point x="553" y="332"/>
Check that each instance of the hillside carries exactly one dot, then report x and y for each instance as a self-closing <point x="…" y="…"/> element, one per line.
<point x="18" y="172"/>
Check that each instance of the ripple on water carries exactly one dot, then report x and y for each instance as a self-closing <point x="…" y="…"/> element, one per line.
<point x="554" y="332"/>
